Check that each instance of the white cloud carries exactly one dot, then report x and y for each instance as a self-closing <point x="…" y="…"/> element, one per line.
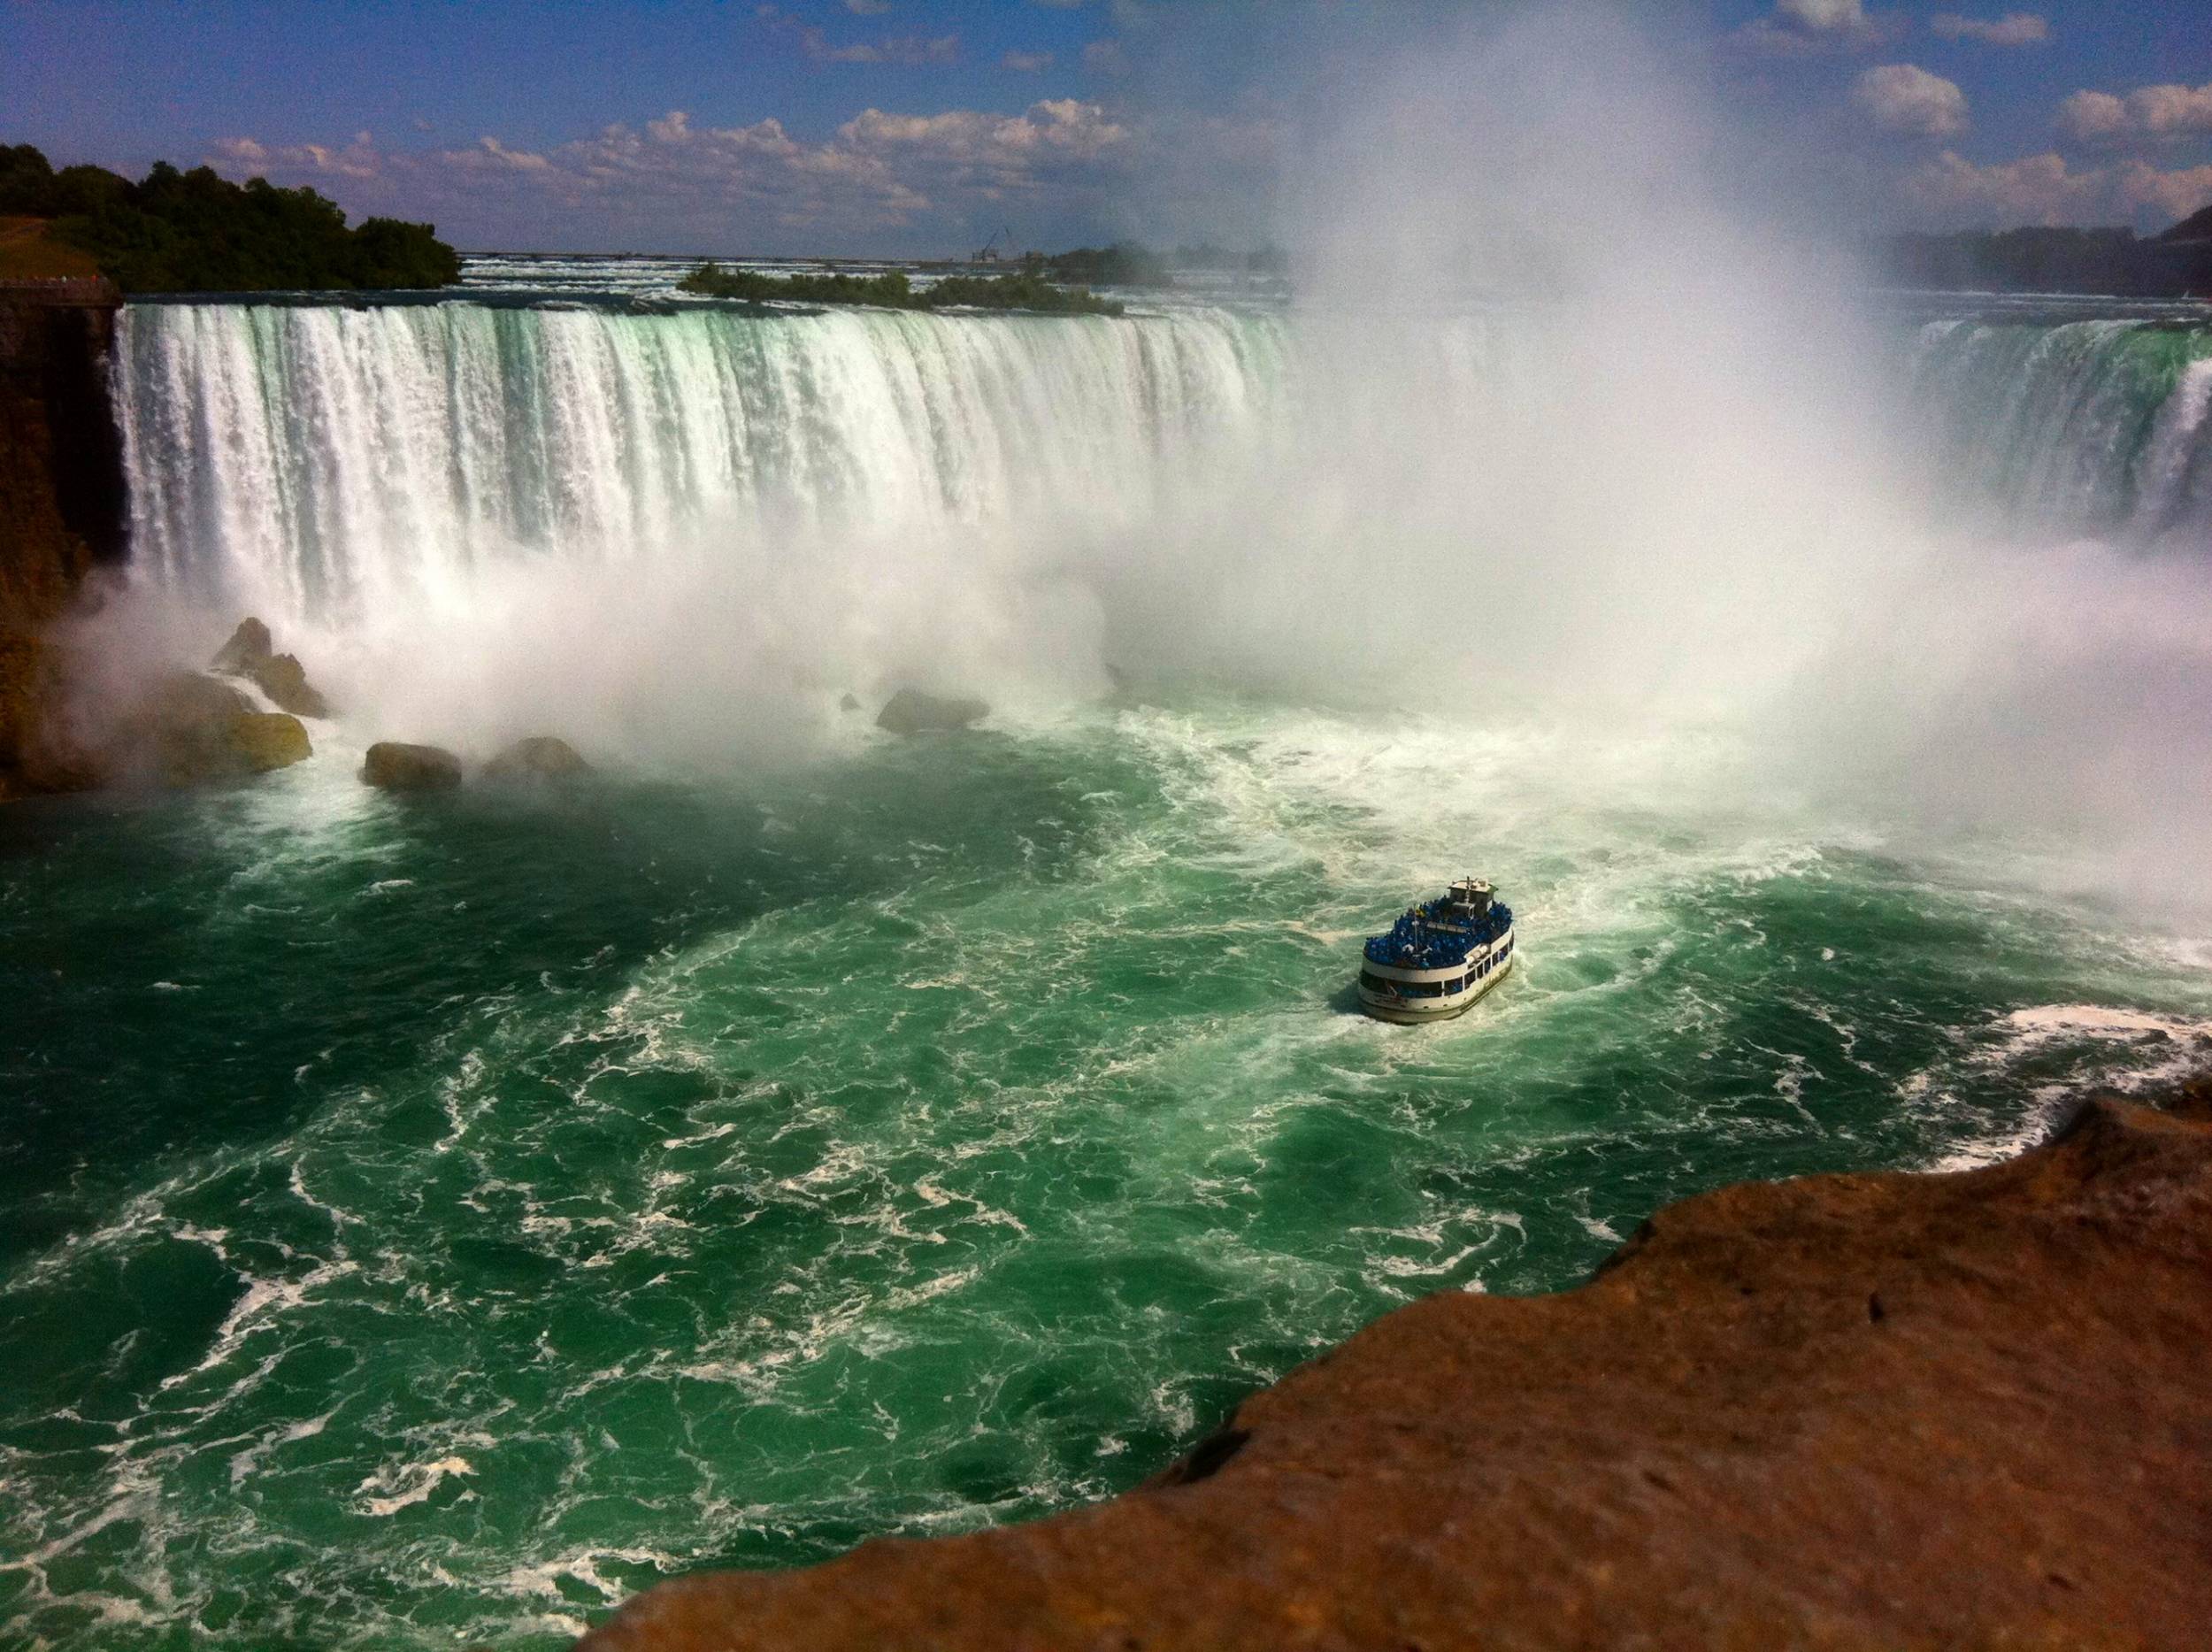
<point x="1824" y="16"/>
<point x="1801" y="28"/>
<point x="2153" y="113"/>
<point x="2044" y="190"/>
<point x="1027" y="62"/>
<point x="1903" y="97"/>
<point x="2035" y="189"/>
<point x="357" y="159"/>
<point x="2015" y="28"/>
<point x="683" y="182"/>
<point x="2092" y="115"/>
<point x="2179" y="192"/>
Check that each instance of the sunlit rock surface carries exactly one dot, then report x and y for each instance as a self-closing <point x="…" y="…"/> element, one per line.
<point x="1873" y="1410"/>
<point x="189" y="729"/>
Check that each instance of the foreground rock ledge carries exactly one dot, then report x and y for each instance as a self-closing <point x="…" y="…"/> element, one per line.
<point x="1882" y="1411"/>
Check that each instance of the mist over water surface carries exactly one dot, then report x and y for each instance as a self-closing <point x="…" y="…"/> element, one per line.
<point x="431" y="1220"/>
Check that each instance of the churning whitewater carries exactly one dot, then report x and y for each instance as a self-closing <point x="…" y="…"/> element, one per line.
<point x="429" y="1222"/>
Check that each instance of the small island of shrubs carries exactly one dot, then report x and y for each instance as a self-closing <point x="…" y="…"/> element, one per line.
<point x="175" y="231"/>
<point x="1023" y="290"/>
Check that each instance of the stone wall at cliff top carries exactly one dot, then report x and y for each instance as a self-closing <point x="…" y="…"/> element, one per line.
<point x="1874" y="1410"/>
<point x="62" y="506"/>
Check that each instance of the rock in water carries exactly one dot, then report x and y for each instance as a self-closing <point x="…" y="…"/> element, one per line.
<point x="250" y="653"/>
<point x="284" y="681"/>
<point x="194" y="728"/>
<point x="540" y="757"/>
<point x="850" y="703"/>
<point x="269" y="740"/>
<point x="910" y="711"/>
<point x="247" y="647"/>
<point x="1869" y="1410"/>
<point x="396" y="766"/>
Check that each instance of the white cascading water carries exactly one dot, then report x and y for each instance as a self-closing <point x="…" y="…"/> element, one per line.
<point x="320" y="463"/>
<point x="2091" y="426"/>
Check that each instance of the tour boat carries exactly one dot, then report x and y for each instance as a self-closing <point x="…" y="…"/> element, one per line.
<point x="1440" y="957"/>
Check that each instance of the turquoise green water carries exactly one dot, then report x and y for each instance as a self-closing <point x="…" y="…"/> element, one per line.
<point x="429" y="1222"/>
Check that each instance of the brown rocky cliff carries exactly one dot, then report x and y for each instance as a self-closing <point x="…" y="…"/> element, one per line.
<point x="1880" y="1410"/>
<point x="62" y="504"/>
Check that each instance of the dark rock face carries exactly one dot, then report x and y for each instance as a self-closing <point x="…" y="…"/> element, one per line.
<point x="398" y="767"/>
<point x="910" y="711"/>
<point x="542" y="757"/>
<point x="1846" y="1411"/>
<point x="62" y="509"/>
<point x="249" y="646"/>
<point x="849" y="702"/>
<point x="250" y="653"/>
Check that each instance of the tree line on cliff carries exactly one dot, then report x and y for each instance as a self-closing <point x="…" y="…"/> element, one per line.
<point x="175" y="232"/>
<point x="2176" y="264"/>
<point x="1024" y="290"/>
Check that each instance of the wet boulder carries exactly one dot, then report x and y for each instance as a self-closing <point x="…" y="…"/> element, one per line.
<point x="393" y="766"/>
<point x="252" y="654"/>
<point x="191" y="728"/>
<point x="269" y="740"/>
<point x="540" y="757"/>
<point x="247" y="647"/>
<point x="910" y="711"/>
<point x="284" y="681"/>
<point x="850" y="703"/>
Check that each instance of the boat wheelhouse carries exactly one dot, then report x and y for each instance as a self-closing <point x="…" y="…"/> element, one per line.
<point x="1440" y="956"/>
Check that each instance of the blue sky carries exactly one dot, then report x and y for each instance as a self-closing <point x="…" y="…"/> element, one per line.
<point x="917" y="126"/>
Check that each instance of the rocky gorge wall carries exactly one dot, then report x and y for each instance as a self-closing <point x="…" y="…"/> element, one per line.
<point x="63" y="504"/>
<point x="1866" y="1411"/>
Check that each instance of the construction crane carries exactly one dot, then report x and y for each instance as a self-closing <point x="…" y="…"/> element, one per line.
<point x="990" y="253"/>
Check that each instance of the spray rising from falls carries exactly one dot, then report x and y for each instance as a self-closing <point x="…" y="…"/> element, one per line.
<point x="682" y="536"/>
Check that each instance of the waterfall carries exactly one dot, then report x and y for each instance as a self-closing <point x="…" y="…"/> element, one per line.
<point x="321" y="463"/>
<point x="2084" y="427"/>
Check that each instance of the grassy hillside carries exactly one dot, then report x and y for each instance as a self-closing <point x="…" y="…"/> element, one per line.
<point x="29" y="252"/>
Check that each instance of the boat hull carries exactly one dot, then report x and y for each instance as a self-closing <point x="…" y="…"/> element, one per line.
<point x="1409" y="1011"/>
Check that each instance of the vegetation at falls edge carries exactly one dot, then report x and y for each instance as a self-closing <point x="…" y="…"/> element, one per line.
<point x="175" y="232"/>
<point x="1024" y="290"/>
